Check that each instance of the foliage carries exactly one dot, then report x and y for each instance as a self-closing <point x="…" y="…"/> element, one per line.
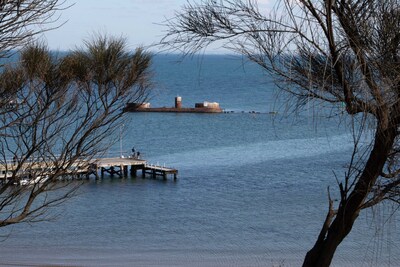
<point x="58" y="115"/>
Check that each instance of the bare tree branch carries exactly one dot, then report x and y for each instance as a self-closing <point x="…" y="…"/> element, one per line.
<point x="333" y="51"/>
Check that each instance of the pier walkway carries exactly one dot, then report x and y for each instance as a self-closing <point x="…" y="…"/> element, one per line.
<point x="118" y="166"/>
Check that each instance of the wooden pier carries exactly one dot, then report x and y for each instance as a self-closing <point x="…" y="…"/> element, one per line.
<point x="155" y="171"/>
<point x="120" y="166"/>
<point x="117" y="166"/>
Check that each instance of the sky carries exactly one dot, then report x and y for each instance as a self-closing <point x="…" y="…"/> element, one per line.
<point x="136" y="20"/>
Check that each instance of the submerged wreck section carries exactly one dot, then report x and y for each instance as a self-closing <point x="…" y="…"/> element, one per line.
<point x="204" y="107"/>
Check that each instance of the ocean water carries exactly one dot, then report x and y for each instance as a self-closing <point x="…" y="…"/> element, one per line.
<point x="251" y="189"/>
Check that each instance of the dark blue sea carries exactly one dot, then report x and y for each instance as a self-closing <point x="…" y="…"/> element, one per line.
<point x="251" y="189"/>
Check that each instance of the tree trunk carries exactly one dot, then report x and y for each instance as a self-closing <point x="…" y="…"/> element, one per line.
<point x="330" y="237"/>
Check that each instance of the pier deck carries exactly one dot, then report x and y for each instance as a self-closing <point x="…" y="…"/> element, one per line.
<point x="113" y="166"/>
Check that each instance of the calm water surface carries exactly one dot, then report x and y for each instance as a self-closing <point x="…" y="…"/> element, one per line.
<point x="251" y="188"/>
